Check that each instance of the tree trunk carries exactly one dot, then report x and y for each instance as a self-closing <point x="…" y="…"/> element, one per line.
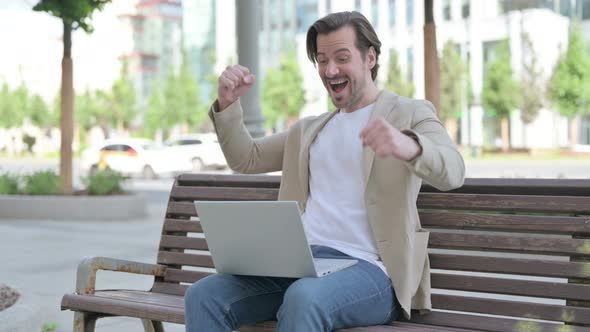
<point x="505" y="133"/>
<point x="431" y="66"/>
<point x="67" y="112"/>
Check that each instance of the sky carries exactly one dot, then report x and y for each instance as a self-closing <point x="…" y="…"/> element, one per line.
<point x="32" y="49"/>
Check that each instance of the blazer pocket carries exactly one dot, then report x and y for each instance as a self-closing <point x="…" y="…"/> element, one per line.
<point x="419" y="259"/>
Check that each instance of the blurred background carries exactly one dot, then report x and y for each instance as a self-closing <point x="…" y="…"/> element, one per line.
<point x="514" y="79"/>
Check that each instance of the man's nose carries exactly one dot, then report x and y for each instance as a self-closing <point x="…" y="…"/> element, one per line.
<point x="331" y="69"/>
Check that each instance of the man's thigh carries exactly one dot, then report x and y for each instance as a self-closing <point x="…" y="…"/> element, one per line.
<point x="356" y="296"/>
<point x="246" y="299"/>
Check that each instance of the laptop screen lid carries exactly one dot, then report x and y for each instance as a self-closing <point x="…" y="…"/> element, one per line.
<point x="262" y="238"/>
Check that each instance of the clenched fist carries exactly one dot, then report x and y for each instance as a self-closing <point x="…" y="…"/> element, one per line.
<point x="232" y="84"/>
<point x="387" y="140"/>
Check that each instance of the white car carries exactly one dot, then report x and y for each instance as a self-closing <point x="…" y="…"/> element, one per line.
<point x="201" y="150"/>
<point x="135" y="156"/>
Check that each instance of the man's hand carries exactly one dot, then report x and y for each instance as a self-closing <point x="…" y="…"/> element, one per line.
<point x="232" y="84"/>
<point x="386" y="141"/>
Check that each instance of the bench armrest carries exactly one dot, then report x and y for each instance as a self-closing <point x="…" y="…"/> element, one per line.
<point x="86" y="275"/>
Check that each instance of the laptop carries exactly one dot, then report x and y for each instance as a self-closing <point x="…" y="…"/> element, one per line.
<point x="261" y="238"/>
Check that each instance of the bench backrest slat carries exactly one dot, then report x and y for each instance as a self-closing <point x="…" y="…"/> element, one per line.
<point x="497" y="246"/>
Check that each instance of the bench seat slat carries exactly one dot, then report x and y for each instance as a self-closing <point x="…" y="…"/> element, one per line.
<point x="222" y="193"/>
<point x="182" y="225"/>
<point x="498" y="324"/>
<point x="551" y="312"/>
<point x="179" y="258"/>
<point x="169" y="288"/>
<point x="508" y="203"/>
<point x="553" y="290"/>
<point x="518" y="266"/>
<point x="229" y="180"/>
<point x="531" y="245"/>
<point x="176" y="275"/>
<point x="181" y="209"/>
<point x="183" y="242"/>
<point x="507" y="223"/>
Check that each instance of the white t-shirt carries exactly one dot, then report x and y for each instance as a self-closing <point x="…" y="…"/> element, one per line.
<point x="335" y="214"/>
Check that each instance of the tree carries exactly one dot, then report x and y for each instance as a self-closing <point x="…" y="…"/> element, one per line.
<point x="500" y="91"/>
<point x="39" y="113"/>
<point x="452" y="79"/>
<point x="282" y="92"/>
<point x="395" y="81"/>
<point x="122" y="100"/>
<point x="74" y="14"/>
<point x="531" y="82"/>
<point x="13" y="106"/>
<point x="155" y="111"/>
<point x="569" y="88"/>
<point x="193" y="110"/>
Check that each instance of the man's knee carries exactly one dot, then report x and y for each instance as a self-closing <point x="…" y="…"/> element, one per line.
<point x="302" y="300"/>
<point x="201" y="292"/>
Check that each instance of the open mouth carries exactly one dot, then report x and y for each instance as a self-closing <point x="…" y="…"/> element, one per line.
<point x="338" y="85"/>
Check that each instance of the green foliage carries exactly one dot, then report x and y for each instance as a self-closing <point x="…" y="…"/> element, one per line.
<point x="75" y="13"/>
<point x="532" y="83"/>
<point x="395" y="79"/>
<point x="13" y="106"/>
<point x="500" y="91"/>
<point x="569" y="87"/>
<point x="41" y="183"/>
<point x="49" y="327"/>
<point x="9" y="184"/>
<point x="29" y="142"/>
<point x="193" y="111"/>
<point x="155" y="111"/>
<point x="122" y="100"/>
<point x="104" y="182"/>
<point x="282" y="91"/>
<point x="39" y="113"/>
<point x="452" y="81"/>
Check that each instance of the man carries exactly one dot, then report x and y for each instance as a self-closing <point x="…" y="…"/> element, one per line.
<point x="356" y="174"/>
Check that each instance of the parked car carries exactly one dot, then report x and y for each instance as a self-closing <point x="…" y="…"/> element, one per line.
<point x="135" y="156"/>
<point x="201" y="150"/>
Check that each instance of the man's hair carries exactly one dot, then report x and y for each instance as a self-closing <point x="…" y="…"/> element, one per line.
<point x="365" y="35"/>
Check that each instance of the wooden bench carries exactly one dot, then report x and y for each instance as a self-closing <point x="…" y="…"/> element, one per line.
<point x="506" y="255"/>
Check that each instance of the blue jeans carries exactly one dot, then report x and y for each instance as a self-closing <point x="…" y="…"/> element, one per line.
<point x="360" y="295"/>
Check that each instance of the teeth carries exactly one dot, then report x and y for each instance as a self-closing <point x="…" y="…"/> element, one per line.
<point x="338" y="81"/>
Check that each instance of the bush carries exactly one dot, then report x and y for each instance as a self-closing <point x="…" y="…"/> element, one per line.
<point x="41" y="183"/>
<point x="8" y="184"/>
<point x="104" y="182"/>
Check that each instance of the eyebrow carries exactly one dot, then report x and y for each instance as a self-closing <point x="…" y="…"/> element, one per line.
<point x="344" y="49"/>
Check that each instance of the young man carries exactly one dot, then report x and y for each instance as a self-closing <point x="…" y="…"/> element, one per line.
<point x="356" y="174"/>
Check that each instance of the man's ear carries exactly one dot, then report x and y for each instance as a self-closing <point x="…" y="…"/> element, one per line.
<point x="371" y="57"/>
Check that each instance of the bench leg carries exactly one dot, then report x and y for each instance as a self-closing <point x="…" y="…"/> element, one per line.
<point x="84" y="322"/>
<point x="152" y="325"/>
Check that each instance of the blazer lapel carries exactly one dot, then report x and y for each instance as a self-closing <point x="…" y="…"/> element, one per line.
<point x="384" y="106"/>
<point x="309" y="136"/>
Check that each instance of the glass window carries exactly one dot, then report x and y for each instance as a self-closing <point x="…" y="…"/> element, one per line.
<point x="586" y="10"/>
<point x="446" y="10"/>
<point x="357" y="5"/>
<point x="392" y="13"/>
<point x="410" y="59"/>
<point x="465" y="9"/>
<point x="375" y="13"/>
<point x="410" y="12"/>
<point x="565" y="8"/>
<point x="328" y="6"/>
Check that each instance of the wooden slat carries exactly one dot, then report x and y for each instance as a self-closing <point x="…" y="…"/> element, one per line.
<point x="509" y="203"/>
<point x="183" y="242"/>
<point x="117" y="307"/>
<point x="176" y="275"/>
<point x="504" y="186"/>
<point x="398" y="326"/>
<point x="182" y="225"/>
<point x="550" y="312"/>
<point x="229" y="180"/>
<point x="531" y="245"/>
<point x="507" y="223"/>
<point x="165" y="300"/>
<point x="493" y="324"/>
<point x="223" y="193"/>
<point x="178" y="258"/>
<point x="553" y="290"/>
<point x="518" y="266"/>
<point x="183" y="209"/>
<point x="169" y="288"/>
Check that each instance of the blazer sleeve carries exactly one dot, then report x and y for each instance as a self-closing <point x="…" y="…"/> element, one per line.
<point x="243" y="153"/>
<point x="440" y="164"/>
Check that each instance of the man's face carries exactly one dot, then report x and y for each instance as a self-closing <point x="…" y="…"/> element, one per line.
<point x="343" y="70"/>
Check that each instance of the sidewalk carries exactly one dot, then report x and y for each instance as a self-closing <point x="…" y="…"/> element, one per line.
<point x="39" y="258"/>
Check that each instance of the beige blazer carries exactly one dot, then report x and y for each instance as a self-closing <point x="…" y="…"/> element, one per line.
<point x="392" y="185"/>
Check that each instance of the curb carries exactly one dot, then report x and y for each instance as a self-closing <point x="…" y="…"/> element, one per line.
<point x="114" y="207"/>
<point x="23" y="316"/>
